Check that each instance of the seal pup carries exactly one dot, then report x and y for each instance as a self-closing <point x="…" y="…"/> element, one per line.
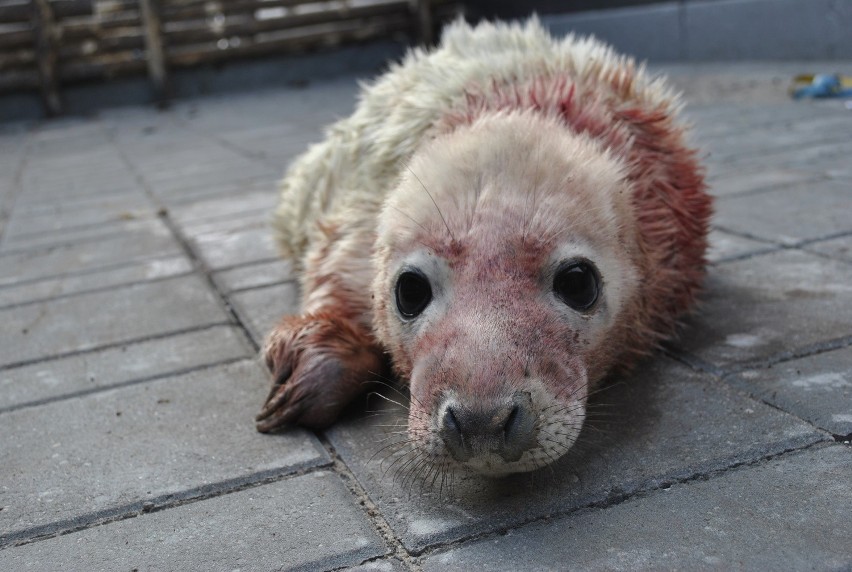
<point x="508" y="217"/>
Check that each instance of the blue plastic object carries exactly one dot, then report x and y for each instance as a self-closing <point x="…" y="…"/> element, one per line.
<point x="821" y="85"/>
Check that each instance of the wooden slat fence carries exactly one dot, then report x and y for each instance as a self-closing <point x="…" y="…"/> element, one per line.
<point x="45" y="44"/>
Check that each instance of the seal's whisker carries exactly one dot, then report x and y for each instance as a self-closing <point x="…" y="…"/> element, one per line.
<point x="441" y="214"/>
<point x="390" y="384"/>
<point x="388" y="399"/>
<point x="398" y="444"/>
<point x="400" y="457"/>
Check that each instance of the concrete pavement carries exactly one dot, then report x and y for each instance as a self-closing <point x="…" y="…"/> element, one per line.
<point x="138" y="276"/>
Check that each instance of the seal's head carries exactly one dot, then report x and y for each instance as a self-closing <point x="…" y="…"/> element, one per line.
<point x="506" y="268"/>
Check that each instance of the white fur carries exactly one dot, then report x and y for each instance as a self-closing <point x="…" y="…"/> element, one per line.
<point x="347" y="176"/>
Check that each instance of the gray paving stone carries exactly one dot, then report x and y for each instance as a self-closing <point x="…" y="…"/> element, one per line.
<point x="141" y="271"/>
<point x="666" y="423"/>
<point x="77" y="175"/>
<point x="210" y="177"/>
<point x="818" y="157"/>
<point x="222" y="189"/>
<point x="724" y="245"/>
<point x="55" y="379"/>
<point x="752" y="518"/>
<point x="306" y="523"/>
<point x="736" y="182"/>
<point x="225" y="207"/>
<point x="90" y="210"/>
<point x="755" y="308"/>
<point x="210" y="160"/>
<point x="238" y="222"/>
<point x="87" y="321"/>
<point x="22" y="227"/>
<point x="144" y="240"/>
<point x="105" y="232"/>
<point x="816" y="388"/>
<point x="262" y="308"/>
<point x="733" y="118"/>
<point x="255" y="275"/>
<point x="224" y="248"/>
<point x="765" y="141"/>
<point x="839" y="248"/>
<point x="104" y="454"/>
<point x="117" y="199"/>
<point x="383" y="565"/>
<point x="789" y="215"/>
<point x="52" y="183"/>
<point x="839" y="171"/>
<point x="208" y="166"/>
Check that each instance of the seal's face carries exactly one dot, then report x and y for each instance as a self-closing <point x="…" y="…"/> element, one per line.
<point x="503" y="271"/>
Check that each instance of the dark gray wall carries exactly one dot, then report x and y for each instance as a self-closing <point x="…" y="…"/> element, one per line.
<point x="716" y="30"/>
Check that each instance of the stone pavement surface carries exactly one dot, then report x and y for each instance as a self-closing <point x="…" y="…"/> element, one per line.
<point x="138" y="276"/>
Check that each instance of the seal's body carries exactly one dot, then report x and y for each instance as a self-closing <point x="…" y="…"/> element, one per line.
<point x="509" y="217"/>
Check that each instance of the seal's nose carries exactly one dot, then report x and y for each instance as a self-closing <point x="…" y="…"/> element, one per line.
<point x="505" y="428"/>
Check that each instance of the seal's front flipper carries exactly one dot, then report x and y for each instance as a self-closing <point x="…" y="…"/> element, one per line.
<point x="319" y="363"/>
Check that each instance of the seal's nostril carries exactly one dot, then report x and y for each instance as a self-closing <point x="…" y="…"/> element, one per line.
<point x="519" y="428"/>
<point x="451" y="424"/>
<point x="511" y="421"/>
<point x="452" y="434"/>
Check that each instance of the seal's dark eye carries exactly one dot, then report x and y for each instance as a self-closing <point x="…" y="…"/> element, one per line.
<point x="413" y="293"/>
<point x="577" y="284"/>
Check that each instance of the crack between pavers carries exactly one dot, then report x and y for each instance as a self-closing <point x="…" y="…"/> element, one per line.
<point x="393" y="544"/>
<point x="748" y="255"/>
<point x="732" y="379"/>
<point x="741" y="387"/>
<point x="815" y="124"/>
<point x="17" y="187"/>
<point x="825" y="117"/>
<point x="96" y="290"/>
<point x="207" y="219"/>
<point x="615" y="498"/>
<point x="119" y="218"/>
<point x="790" y="355"/>
<point x="140" y="261"/>
<point x="817" y="178"/>
<point x="827" y="256"/>
<point x="699" y="365"/>
<point x="748" y="235"/>
<point x="246" y="263"/>
<point x="694" y="363"/>
<point x="290" y="282"/>
<point x="159" y="503"/>
<point x="122" y="384"/>
<point x="38" y="208"/>
<point x="197" y="262"/>
<point x="383" y="557"/>
<point x="834" y="236"/>
<point x="118" y="344"/>
<point x="767" y="152"/>
<point x="36" y="248"/>
<point x="255" y="156"/>
<point x="774" y="246"/>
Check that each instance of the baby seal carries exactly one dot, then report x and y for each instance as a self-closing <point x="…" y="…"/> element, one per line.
<point x="508" y="217"/>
